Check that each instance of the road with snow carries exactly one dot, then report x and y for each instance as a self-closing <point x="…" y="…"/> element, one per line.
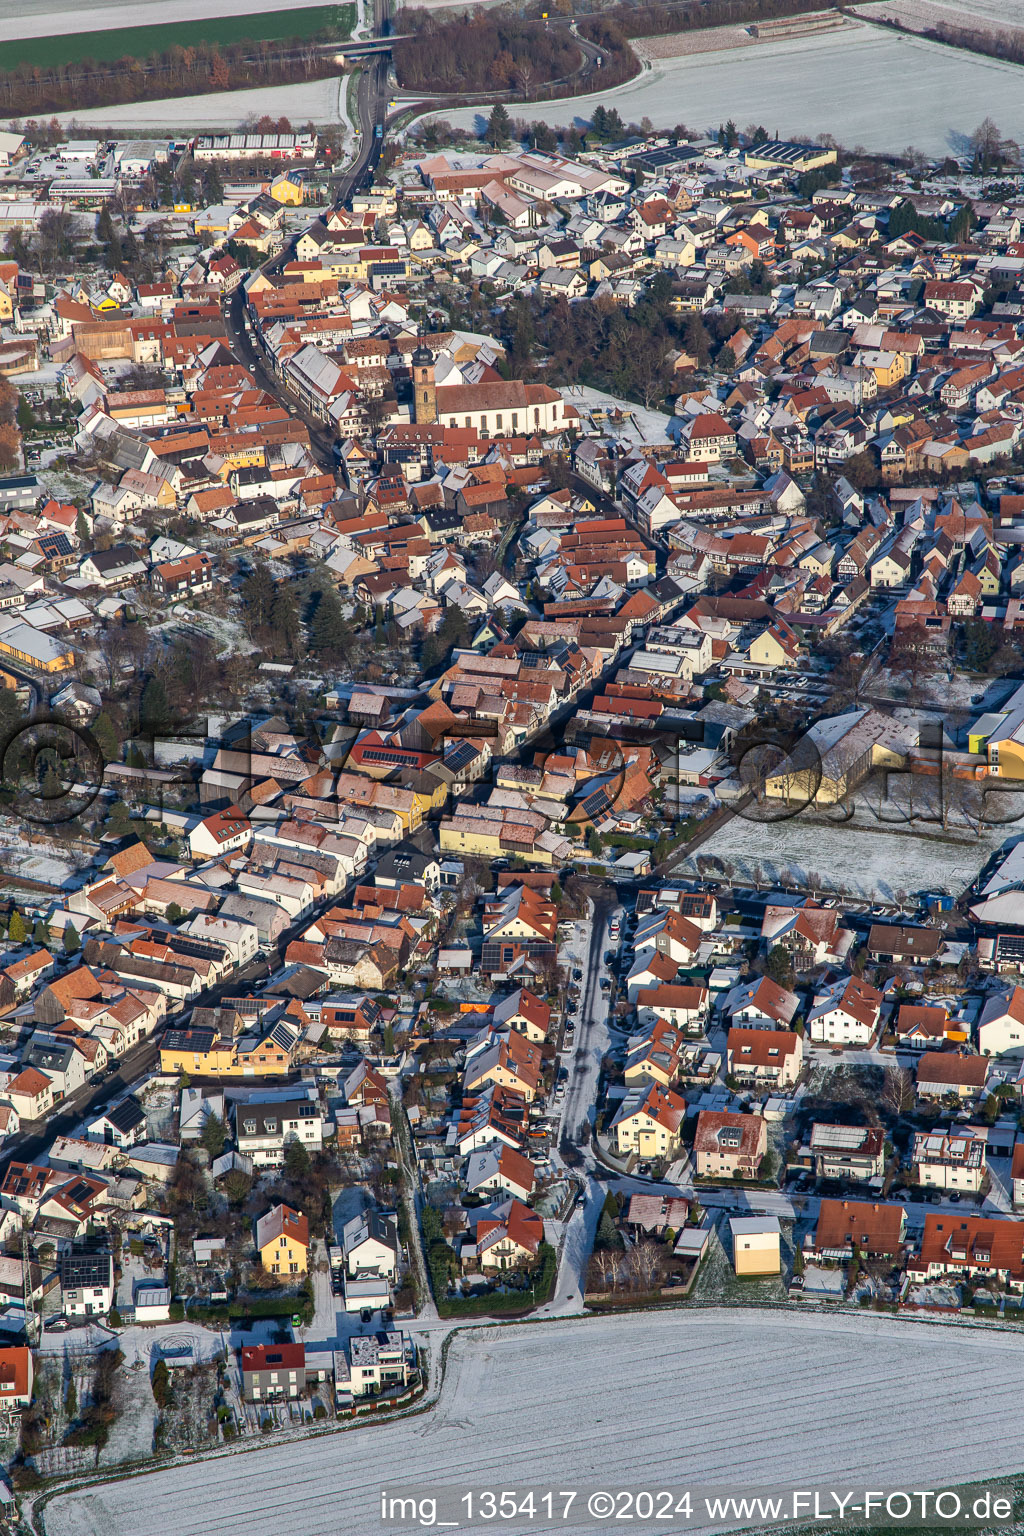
<point x="722" y="1397"/>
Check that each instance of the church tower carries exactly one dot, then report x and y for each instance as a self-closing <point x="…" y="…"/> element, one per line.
<point x="424" y="392"/>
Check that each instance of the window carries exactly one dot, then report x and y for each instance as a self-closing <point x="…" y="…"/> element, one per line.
<point x="250" y="1127"/>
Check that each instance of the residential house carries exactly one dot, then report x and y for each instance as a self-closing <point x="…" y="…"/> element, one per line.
<point x="282" y="1238"/>
<point x="649" y="1122"/>
<point x="728" y="1145"/>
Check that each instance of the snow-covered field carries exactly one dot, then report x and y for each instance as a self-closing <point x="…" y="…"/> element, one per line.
<point x="313" y="100"/>
<point x="965" y="13"/>
<point x="860" y="857"/>
<point x="745" y="1398"/>
<point x="919" y="14"/>
<point x="39" y="18"/>
<point x="894" y="91"/>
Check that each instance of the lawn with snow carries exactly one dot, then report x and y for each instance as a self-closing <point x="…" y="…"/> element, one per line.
<point x="860" y="857"/>
<point x="895" y="91"/>
<point x="706" y="1397"/>
<point x="313" y="100"/>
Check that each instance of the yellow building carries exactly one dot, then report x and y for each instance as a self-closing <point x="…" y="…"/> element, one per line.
<point x="32" y="648"/>
<point x="836" y="755"/>
<point x="485" y="838"/>
<point x="288" y="189"/>
<point x="774" y="647"/>
<point x="204" y="1053"/>
<point x="755" y="1245"/>
<point x="282" y="1237"/>
<point x="1000" y="735"/>
<point x="649" y="1121"/>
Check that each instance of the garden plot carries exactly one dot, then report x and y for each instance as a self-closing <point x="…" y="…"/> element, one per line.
<point x="717" y="1280"/>
<point x="28" y="856"/>
<point x="896" y="90"/>
<point x="131" y="1433"/>
<point x="188" y="1419"/>
<point x="722" y="1397"/>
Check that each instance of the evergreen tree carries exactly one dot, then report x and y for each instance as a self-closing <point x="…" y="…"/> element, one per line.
<point x="296" y="1161"/>
<point x="119" y="819"/>
<point x="213" y="186"/>
<point x="109" y="237"/>
<point x="328" y="632"/>
<point x="52" y="789"/>
<point x="154" y="710"/>
<point x="284" y="620"/>
<point x="499" y="126"/>
<point x="213" y="1137"/>
<point x="72" y="939"/>
<point x="40" y="933"/>
<point x="17" y="931"/>
<point x="106" y="737"/>
<point x="257" y="595"/>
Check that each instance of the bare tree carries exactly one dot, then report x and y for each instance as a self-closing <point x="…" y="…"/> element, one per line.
<point x="643" y="1260"/>
<point x="606" y="1262"/>
<point x="897" y="1090"/>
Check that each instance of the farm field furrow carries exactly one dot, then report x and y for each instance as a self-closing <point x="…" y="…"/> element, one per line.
<point x="722" y="1398"/>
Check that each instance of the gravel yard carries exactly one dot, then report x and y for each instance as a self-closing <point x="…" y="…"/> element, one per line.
<point x="775" y="1390"/>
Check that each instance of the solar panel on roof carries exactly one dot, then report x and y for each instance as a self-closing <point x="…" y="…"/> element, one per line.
<point x="461" y="754"/>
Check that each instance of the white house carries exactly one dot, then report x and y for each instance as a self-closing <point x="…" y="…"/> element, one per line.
<point x="847" y="1013"/>
<point x="1001" y="1026"/>
<point x="122" y="1125"/>
<point x="370" y="1243"/>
